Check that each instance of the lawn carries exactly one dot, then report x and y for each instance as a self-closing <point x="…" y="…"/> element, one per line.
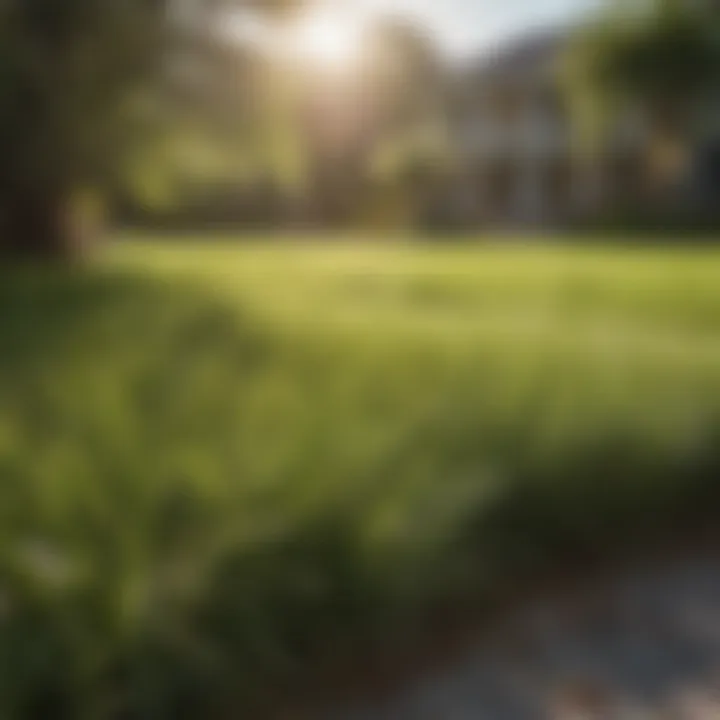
<point x="220" y="460"/>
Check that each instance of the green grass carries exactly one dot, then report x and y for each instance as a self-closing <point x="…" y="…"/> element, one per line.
<point x="218" y="460"/>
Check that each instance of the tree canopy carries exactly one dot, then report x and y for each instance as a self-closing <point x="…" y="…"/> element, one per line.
<point x="82" y="82"/>
<point x="661" y="54"/>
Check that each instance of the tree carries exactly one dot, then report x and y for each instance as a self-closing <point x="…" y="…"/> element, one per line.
<point x="411" y="148"/>
<point x="81" y="84"/>
<point x="661" y="56"/>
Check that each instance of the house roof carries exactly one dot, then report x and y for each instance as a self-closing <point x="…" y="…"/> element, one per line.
<point x="520" y="58"/>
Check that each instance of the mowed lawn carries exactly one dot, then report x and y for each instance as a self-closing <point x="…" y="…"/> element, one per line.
<point x="219" y="461"/>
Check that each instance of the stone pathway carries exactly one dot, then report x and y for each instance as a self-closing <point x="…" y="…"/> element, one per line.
<point x="636" y="643"/>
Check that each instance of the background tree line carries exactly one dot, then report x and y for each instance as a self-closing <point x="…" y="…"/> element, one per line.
<point x="147" y="104"/>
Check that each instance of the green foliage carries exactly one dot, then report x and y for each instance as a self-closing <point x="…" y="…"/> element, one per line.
<point x="93" y="95"/>
<point x="71" y="71"/>
<point x="410" y="152"/>
<point x="671" y="54"/>
<point x="662" y="56"/>
<point x="215" y="461"/>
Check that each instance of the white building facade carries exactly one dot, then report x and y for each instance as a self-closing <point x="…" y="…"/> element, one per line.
<point x="519" y="158"/>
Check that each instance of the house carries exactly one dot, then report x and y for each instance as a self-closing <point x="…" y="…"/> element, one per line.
<point x="519" y="157"/>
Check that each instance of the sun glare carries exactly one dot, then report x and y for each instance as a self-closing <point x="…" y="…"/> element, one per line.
<point x="329" y="38"/>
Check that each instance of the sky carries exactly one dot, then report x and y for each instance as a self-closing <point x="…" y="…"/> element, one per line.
<point x="464" y="27"/>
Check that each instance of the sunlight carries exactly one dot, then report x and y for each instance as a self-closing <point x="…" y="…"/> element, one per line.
<point x="328" y="38"/>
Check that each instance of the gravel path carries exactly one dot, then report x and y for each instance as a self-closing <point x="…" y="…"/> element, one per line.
<point x="637" y="643"/>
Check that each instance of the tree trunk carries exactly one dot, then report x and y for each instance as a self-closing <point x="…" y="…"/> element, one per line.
<point x="42" y="226"/>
